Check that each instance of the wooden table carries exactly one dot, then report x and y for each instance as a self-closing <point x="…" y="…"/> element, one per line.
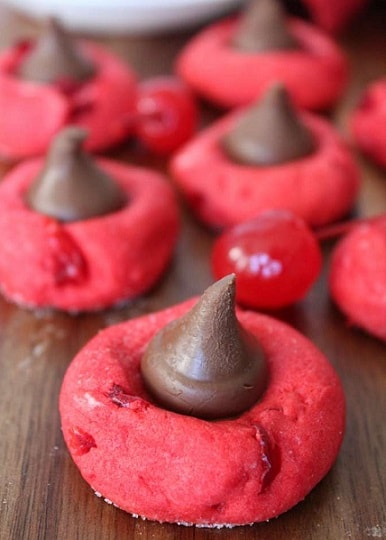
<point x="42" y="495"/>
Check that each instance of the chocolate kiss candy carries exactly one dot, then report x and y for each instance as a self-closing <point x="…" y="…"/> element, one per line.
<point x="269" y="133"/>
<point x="55" y="58"/>
<point x="205" y="364"/>
<point x="71" y="186"/>
<point x="263" y="28"/>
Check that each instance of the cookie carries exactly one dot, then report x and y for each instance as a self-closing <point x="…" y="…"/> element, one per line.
<point x="333" y="16"/>
<point x="238" y="167"/>
<point x="368" y="122"/>
<point x="357" y="277"/>
<point x="81" y="234"/>
<point x="313" y="68"/>
<point x="54" y="82"/>
<point x="185" y="467"/>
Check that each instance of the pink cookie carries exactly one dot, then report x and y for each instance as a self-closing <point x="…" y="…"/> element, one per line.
<point x="320" y="187"/>
<point x="333" y="15"/>
<point x="32" y="113"/>
<point x="368" y="122"/>
<point x="314" y="75"/>
<point x="170" y="467"/>
<point x="358" y="277"/>
<point x="88" y="264"/>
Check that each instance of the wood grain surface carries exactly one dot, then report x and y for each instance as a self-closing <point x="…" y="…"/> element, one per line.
<point x="42" y="495"/>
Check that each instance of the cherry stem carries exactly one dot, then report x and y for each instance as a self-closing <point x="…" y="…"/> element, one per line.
<point x="338" y="229"/>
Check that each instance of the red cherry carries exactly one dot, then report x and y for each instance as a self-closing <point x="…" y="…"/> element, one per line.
<point x="167" y="114"/>
<point x="275" y="257"/>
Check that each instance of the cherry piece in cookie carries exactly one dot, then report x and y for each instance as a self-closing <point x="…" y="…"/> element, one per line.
<point x="234" y="61"/>
<point x="368" y="122"/>
<point x="174" y="467"/>
<point x="357" y="276"/>
<point x="57" y="81"/>
<point x="275" y="257"/>
<point x="268" y="156"/>
<point x="78" y="234"/>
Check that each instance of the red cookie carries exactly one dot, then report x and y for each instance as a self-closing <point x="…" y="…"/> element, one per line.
<point x="88" y="264"/>
<point x="315" y="75"/>
<point x="368" y="122"/>
<point x="333" y="15"/>
<point x="32" y="113"/>
<point x="358" y="277"/>
<point x="170" y="467"/>
<point x="320" y="187"/>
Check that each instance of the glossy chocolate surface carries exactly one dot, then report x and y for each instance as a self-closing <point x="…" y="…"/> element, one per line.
<point x="263" y="27"/>
<point x="205" y="364"/>
<point x="72" y="187"/>
<point x="269" y="133"/>
<point x="55" y="57"/>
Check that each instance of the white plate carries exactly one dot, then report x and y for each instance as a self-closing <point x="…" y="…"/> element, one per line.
<point x="127" y="16"/>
